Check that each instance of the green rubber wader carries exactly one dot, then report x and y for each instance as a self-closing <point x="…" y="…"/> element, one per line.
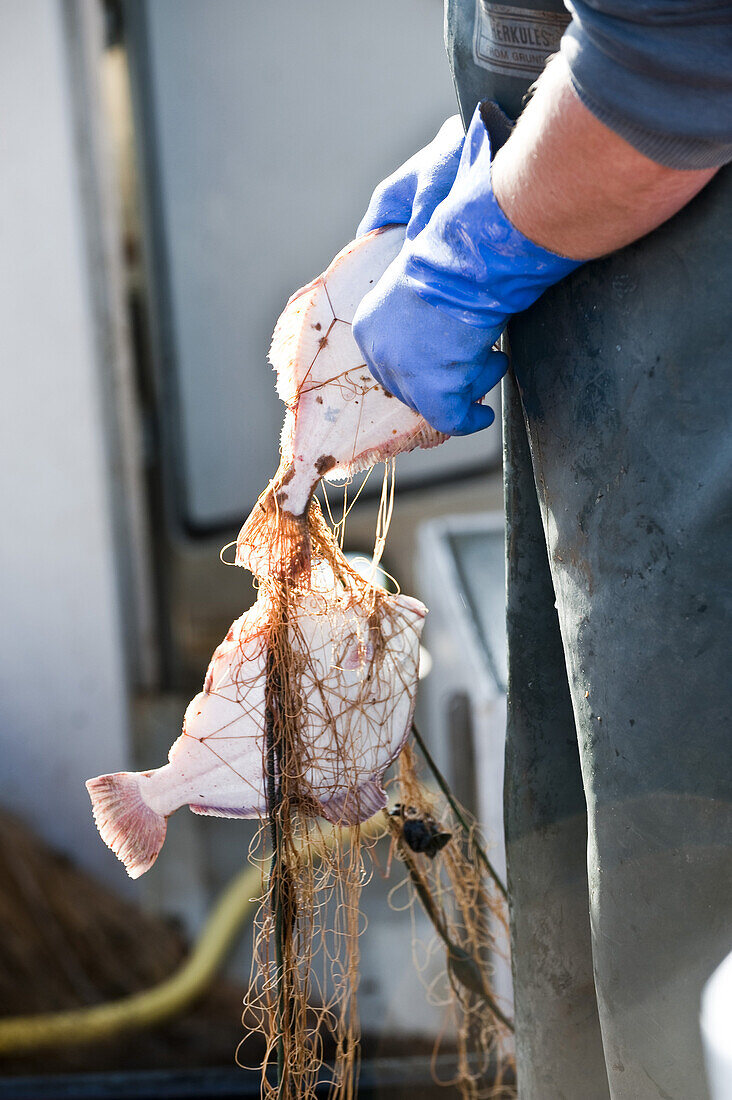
<point x="618" y="463"/>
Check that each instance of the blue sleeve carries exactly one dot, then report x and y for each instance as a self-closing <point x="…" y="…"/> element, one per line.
<point x="658" y="73"/>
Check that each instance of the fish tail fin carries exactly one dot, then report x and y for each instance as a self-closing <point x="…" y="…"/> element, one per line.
<point x="272" y="540"/>
<point x="126" y="823"/>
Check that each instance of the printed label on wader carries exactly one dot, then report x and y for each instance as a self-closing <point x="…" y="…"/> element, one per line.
<point x="515" y="41"/>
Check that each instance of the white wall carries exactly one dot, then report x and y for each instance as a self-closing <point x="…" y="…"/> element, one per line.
<point x="270" y="124"/>
<point x="62" y="682"/>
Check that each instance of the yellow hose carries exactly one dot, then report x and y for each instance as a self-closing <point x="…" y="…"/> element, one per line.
<point x="19" y="1034"/>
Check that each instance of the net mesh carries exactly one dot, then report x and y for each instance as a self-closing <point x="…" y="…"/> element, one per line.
<point x="341" y="671"/>
<point x="469" y="919"/>
<point x="341" y="659"/>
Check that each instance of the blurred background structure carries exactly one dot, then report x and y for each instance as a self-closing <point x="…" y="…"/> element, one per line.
<point x="170" y="171"/>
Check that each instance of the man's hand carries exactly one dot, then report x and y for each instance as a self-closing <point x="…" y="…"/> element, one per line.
<point x="562" y="186"/>
<point x="410" y="194"/>
<point x="426" y="356"/>
<point x="427" y="328"/>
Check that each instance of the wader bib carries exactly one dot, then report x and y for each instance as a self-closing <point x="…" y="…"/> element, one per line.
<point x="618" y="463"/>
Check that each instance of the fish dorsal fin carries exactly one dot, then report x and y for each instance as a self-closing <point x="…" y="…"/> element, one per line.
<point x="304" y="322"/>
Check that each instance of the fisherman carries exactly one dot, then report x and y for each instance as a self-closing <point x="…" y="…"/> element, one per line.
<point x="599" y="230"/>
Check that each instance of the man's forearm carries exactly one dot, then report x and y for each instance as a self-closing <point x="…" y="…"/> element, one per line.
<point x="570" y="184"/>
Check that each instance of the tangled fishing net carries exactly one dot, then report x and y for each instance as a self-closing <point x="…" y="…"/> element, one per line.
<point x="306" y="959"/>
<point x="340" y="421"/>
<point x="450" y="878"/>
<point x="306" y="704"/>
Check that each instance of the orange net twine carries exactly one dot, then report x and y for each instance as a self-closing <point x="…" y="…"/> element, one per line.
<point x="341" y="661"/>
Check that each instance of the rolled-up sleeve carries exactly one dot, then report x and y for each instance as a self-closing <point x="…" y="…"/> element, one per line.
<point x="658" y="73"/>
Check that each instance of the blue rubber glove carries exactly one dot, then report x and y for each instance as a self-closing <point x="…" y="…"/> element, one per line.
<point x="410" y="194"/>
<point x="427" y="328"/>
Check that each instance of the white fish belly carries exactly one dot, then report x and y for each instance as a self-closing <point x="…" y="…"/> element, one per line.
<point x="216" y="765"/>
<point x="359" y="683"/>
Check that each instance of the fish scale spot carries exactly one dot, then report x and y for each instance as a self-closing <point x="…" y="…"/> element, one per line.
<point x="324" y="463"/>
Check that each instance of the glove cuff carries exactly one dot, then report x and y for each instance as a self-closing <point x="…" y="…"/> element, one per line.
<point x="470" y="260"/>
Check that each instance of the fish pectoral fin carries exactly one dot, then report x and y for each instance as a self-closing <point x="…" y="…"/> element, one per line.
<point x="356" y="804"/>
<point x="126" y="823"/>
